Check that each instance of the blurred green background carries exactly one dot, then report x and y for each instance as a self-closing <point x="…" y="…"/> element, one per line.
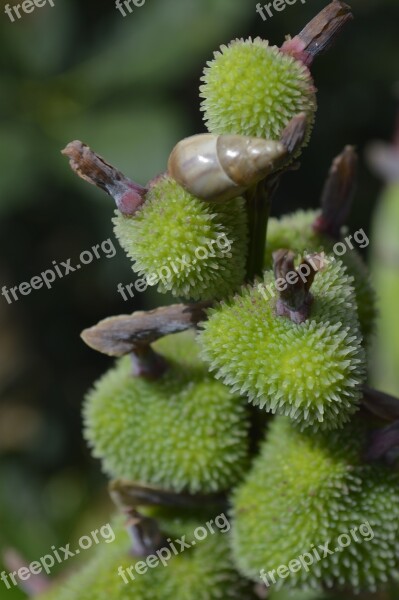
<point x="129" y="88"/>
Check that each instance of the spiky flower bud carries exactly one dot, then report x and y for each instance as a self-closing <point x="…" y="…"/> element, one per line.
<point x="310" y="371"/>
<point x="295" y="231"/>
<point x="184" y="431"/>
<point x="305" y="491"/>
<point x="252" y="88"/>
<point x="205" y="571"/>
<point x="184" y="245"/>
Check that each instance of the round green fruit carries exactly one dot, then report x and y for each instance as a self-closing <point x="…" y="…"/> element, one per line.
<point x="310" y="498"/>
<point x="98" y="579"/>
<point x="205" y="571"/>
<point x="295" y="232"/>
<point x="184" y="431"/>
<point x="310" y="371"/>
<point x="251" y="88"/>
<point x="191" y="248"/>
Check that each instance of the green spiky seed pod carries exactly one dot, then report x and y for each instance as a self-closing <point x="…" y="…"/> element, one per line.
<point x="184" y="431"/>
<point x="295" y="231"/>
<point x="310" y="371"/>
<point x="188" y="247"/>
<point x="205" y="571"/>
<point x="208" y="571"/>
<point x="252" y="88"/>
<point x="385" y="272"/>
<point x="98" y="579"/>
<point x="307" y="489"/>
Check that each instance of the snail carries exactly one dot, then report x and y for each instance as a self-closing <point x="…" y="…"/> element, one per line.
<point x="221" y="167"/>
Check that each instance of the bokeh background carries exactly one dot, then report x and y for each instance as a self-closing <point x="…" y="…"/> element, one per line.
<point x="129" y="88"/>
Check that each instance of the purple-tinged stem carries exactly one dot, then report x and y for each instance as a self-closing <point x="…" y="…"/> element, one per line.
<point x="319" y="34"/>
<point x="91" y="167"/>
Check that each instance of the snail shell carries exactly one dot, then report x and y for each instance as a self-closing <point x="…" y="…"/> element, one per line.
<point x="221" y="167"/>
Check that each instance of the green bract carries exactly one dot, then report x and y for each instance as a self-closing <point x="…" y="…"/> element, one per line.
<point x="183" y="245"/>
<point x="311" y="371"/>
<point x="252" y="88"/>
<point x="295" y="232"/>
<point x="307" y="489"/>
<point x="184" y="431"/>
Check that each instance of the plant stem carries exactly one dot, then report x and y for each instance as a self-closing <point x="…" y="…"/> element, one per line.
<point x="259" y="197"/>
<point x="259" y="200"/>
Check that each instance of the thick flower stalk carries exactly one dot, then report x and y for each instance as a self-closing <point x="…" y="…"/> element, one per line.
<point x="191" y="422"/>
